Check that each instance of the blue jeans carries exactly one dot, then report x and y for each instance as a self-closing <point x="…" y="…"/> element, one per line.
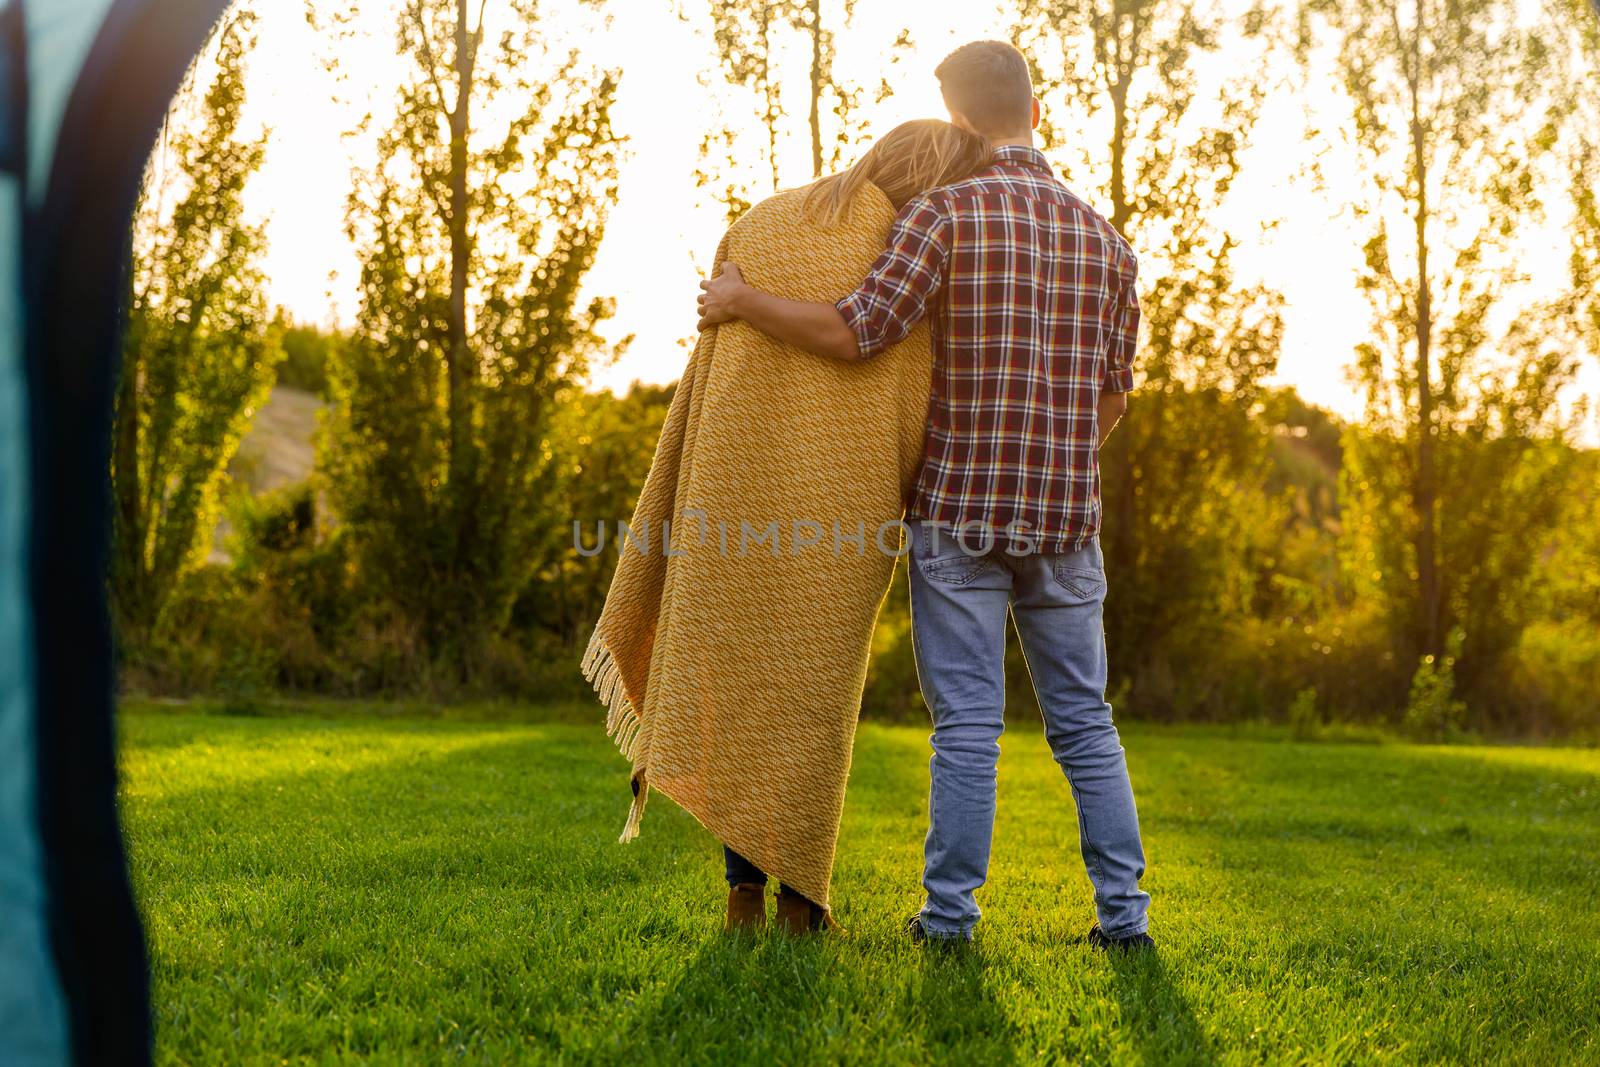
<point x="959" y="603"/>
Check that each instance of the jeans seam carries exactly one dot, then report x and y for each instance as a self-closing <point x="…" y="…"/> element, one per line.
<point x="933" y="720"/>
<point x="1086" y="838"/>
<point x="937" y="930"/>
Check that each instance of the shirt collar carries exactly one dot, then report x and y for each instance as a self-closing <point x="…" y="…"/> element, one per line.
<point x="1022" y="156"/>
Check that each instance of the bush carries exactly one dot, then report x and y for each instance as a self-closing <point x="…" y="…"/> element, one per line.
<point x="1433" y="713"/>
<point x="1553" y="681"/>
<point x="1305" y="721"/>
<point x="305" y="359"/>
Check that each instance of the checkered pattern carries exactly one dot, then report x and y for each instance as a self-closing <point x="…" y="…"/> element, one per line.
<point x="1035" y="314"/>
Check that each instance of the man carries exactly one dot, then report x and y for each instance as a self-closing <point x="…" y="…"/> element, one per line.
<point x="1035" y="318"/>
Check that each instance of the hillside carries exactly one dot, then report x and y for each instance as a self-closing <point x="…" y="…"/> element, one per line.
<point x="277" y="450"/>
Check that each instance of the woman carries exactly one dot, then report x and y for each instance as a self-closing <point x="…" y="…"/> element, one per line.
<point x="732" y="649"/>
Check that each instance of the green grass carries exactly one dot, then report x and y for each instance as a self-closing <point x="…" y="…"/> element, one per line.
<point x="403" y="891"/>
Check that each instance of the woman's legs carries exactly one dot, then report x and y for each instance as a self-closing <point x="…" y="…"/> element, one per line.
<point x="747" y="893"/>
<point x="740" y="870"/>
<point x="746" y="886"/>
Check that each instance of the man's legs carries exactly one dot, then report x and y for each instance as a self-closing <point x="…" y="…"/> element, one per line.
<point x="958" y="624"/>
<point x="1057" y="607"/>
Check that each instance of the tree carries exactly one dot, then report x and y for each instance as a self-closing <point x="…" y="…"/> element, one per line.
<point x="474" y="245"/>
<point x="1575" y="56"/>
<point x="1459" y="467"/>
<point x="1585" y="257"/>
<point x="601" y="447"/>
<point x="1121" y="78"/>
<point x="200" y="349"/>
<point x="750" y="39"/>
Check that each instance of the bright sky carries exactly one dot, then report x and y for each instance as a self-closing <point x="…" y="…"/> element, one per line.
<point x="663" y="230"/>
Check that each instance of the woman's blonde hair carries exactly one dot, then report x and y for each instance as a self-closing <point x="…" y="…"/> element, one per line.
<point x="910" y="159"/>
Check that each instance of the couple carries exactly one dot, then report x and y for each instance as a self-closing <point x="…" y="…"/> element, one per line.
<point x="923" y="354"/>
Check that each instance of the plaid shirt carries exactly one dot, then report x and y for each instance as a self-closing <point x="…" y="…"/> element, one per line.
<point x="1034" y="316"/>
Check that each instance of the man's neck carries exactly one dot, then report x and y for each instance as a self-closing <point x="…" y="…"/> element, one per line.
<point x="1025" y="141"/>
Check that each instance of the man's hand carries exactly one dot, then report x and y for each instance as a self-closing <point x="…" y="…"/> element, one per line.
<point x="818" y="328"/>
<point x="1109" y="409"/>
<point x="721" y="296"/>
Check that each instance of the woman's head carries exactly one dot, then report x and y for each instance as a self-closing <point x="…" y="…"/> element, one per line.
<point x="908" y="160"/>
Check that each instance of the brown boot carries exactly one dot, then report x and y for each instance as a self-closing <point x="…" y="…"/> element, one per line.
<point x="747" y="908"/>
<point x="798" y="915"/>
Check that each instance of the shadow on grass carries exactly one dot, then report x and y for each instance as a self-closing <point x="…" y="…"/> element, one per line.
<point x="959" y="1014"/>
<point x="774" y="999"/>
<point x="1155" y="1015"/>
<point x="736" y="999"/>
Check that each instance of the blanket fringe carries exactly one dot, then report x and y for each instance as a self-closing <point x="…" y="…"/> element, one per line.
<point x="630" y="830"/>
<point x="623" y="724"/>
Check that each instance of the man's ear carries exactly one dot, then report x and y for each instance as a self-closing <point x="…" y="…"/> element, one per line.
<point x="1034" y="124"/>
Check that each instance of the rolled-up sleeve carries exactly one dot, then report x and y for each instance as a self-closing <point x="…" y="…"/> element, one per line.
<point x="1124" y="330"/>
<point x="895" y="296"/>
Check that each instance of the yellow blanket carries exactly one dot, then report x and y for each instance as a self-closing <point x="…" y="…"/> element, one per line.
<point x="733" y="669"/>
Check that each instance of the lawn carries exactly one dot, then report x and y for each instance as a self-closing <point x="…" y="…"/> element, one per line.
<point x="326" y="889"/>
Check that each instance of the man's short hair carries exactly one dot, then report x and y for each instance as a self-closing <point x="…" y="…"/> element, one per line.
<point x="987" y="83"/>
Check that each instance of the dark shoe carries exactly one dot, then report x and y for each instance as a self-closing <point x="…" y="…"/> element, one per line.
<point x="747" y="908"/>
<point x="1132" y="943"/>
<point x="920" y="935"/>
<point x="797" y="915"/>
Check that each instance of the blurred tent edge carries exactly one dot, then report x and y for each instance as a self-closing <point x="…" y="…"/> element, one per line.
<point x="84" y="85"/>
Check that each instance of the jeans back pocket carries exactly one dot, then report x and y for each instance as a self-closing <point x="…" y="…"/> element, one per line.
<point x="941" y="557"/>
<point x="1072" y="575"/>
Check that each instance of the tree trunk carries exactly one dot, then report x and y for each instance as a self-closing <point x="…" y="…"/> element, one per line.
<point x="457" y="357"/>
<point x="456" y="630"/>
<point x="769" y="93"/>
<point x="815" y="7"/>
<point x="1123" y="536"/>
<point x="1121" y="209"/>
<point x="1425" y="491"/>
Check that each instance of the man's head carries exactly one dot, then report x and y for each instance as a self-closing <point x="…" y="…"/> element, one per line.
<point x="988" y="91"/>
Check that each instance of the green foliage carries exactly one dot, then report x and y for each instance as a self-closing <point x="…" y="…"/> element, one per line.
<point x="278" y="618"/>
<point x="892" y="692"/>
<point x="1568" y="570"/>
<point x="1577" y="57"/>
<point x="1306" y="456"/>
<point x="598" y="452"/>
<point x="200" y="346"/>
<point x="307" y="353"/>
<point x="1179" y="475"/>
<point x="1266" y="558"/>
<point x="1554" y="672"/>
<point x="289" y="613"/>
<point x="362" y="887"/>
<point x="1460" y="463"/>
<point x="1432" y="712"/>
<point x="1500" y="495"/>
<point x="474" y="244"/>
<point x="1305" y="721"/>
<point x="1552" y="681"/>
